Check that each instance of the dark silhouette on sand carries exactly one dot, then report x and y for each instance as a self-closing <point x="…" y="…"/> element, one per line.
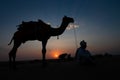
<point x="69" y="58"/>
<point x="36" y="31"/>
<point x="82" y="55"/>
<point x="63" y="56"/>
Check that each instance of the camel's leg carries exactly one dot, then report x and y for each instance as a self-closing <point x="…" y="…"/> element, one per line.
<point x="12" y="54"/>
<point x="44" y="52"/>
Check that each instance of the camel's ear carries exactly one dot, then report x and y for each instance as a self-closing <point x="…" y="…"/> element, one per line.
<point x="65" y="16"/>
<point x="23" y="22"/>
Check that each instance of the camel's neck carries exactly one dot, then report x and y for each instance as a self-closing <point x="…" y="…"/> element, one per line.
<point x="60" y="30"/>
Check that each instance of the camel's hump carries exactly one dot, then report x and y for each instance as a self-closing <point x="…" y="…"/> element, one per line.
<point x="31" y="25"/>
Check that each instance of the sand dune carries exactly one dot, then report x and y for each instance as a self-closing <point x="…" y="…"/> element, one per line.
<point x="105" y="68"/>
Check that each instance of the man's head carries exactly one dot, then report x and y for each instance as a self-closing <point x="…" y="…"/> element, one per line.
<point x="83" y="44"/>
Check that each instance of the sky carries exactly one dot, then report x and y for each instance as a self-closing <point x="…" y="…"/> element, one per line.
<point x="98" y="24"/>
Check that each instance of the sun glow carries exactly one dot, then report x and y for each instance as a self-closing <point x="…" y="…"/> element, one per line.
<point x="55" y="53"/>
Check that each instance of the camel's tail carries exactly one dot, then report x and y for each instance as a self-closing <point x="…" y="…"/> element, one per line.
<point x="11" y="41"/>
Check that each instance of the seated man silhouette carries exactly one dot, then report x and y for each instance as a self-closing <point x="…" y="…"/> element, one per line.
<point x="82" y="55"/>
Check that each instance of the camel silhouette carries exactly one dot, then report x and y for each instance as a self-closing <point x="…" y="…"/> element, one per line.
<point x="36" y="31"/>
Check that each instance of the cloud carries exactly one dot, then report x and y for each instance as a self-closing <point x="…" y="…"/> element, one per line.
<point x="69" y="27"/>
<point x="49" y="23"/>
<point x="72" y="26"/>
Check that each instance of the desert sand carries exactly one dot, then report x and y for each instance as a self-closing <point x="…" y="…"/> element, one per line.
<point x="105" y="68"/>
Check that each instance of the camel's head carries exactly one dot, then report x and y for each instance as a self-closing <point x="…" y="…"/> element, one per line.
<point x="68" y="19"/>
